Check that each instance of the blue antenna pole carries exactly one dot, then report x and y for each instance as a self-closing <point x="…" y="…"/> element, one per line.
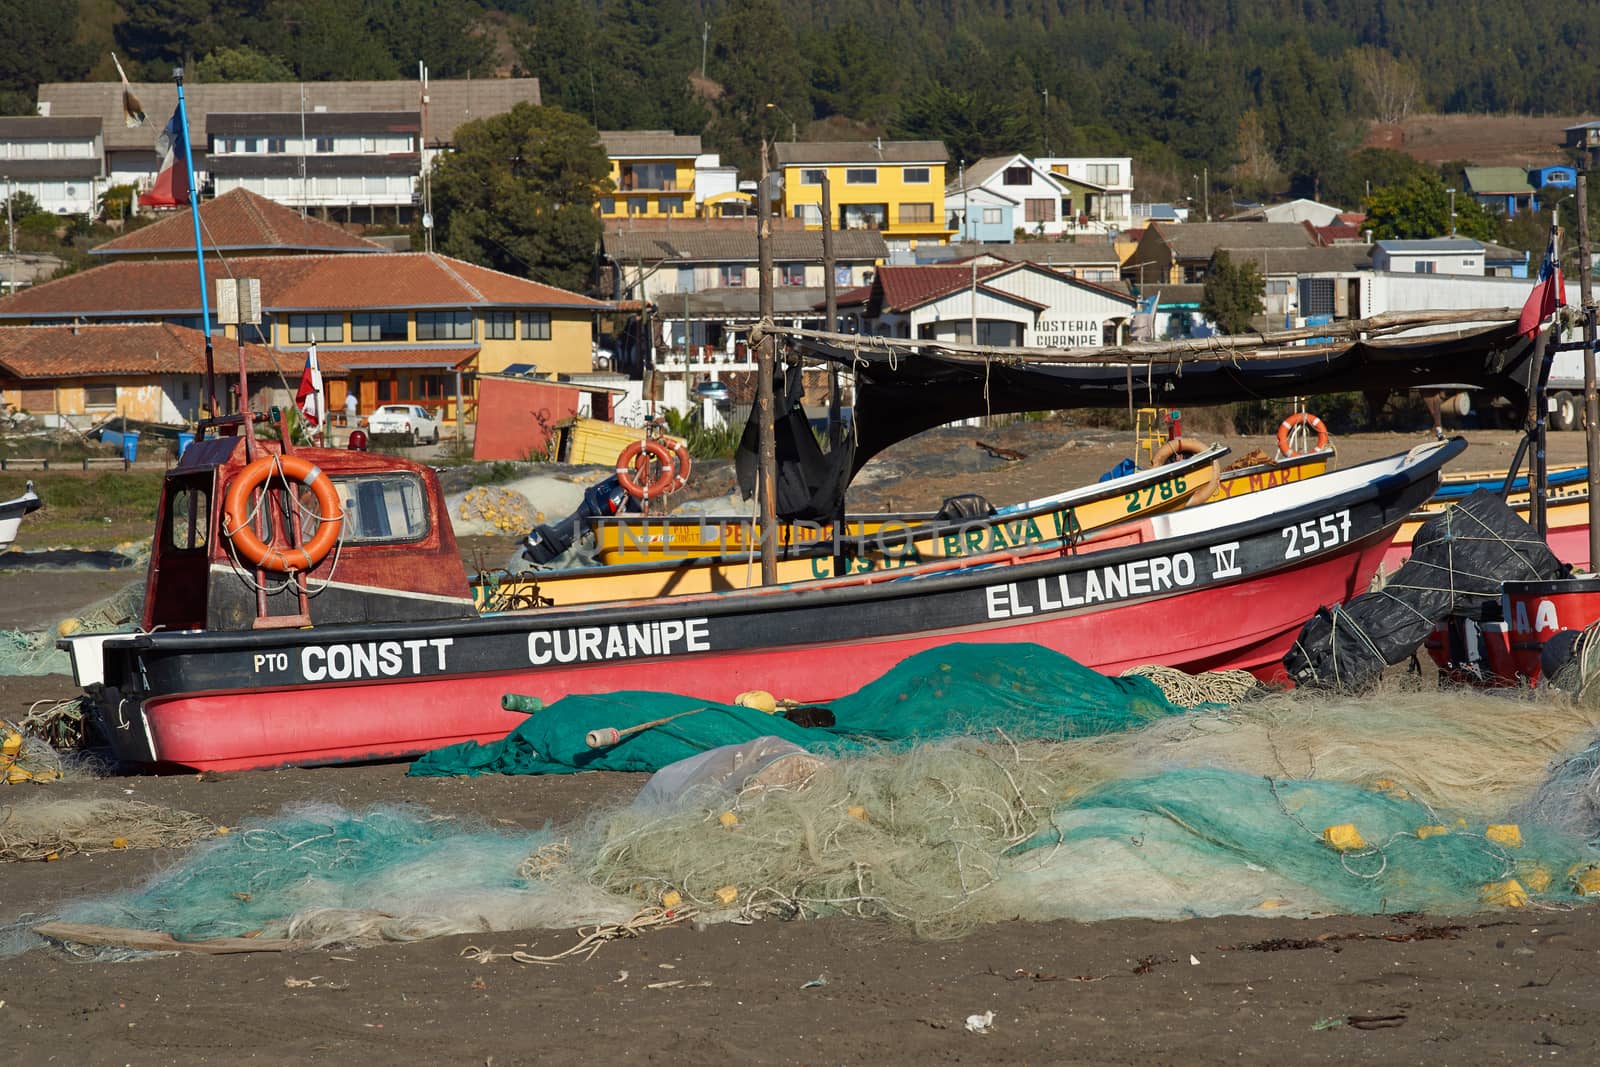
<point x="199" y="248"/>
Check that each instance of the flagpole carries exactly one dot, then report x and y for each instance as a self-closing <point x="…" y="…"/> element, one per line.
<point x="199" y="247"/>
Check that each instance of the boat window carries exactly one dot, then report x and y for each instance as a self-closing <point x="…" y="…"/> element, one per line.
<point x="188" y="517"/>
<point x="381" y="508"/>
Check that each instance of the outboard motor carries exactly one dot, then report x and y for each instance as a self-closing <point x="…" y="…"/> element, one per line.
<point x="545" y="542"/>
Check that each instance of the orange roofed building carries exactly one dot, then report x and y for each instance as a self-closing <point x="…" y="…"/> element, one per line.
<point x="78" y="376"/>
<point x="402" y="325"/>
<point x="236" y="223"/>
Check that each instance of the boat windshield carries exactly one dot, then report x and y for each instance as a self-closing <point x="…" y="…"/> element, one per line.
<point x="384" y="508"/>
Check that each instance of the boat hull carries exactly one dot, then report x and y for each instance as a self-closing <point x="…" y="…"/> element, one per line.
<point x="1182" y="590"/>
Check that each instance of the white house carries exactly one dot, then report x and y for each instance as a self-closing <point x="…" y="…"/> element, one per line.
<point x="1437" y="255"/>
<point x="1301" y="210"/>
<point x="55" y="161"/>
<point x="1014" y="304"/>
<point x="1098" y="191"/>
<point x="1022" y="181"/>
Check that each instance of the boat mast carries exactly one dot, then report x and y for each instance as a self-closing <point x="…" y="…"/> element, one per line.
<point x="199" y="249"/>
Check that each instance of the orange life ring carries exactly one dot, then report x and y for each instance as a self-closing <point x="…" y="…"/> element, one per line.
<point x="1176" y="448"/>
<point x="1286" y="427"/>
<point x="638" y="454"/>
<point x="681" y="466"/>
<point x="236" y="515"/>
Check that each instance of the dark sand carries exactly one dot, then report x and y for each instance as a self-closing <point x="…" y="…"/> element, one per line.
<point x="1502" y="987"/>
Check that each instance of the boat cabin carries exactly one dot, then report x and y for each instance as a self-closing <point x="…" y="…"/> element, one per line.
<point x="393" y="557"/>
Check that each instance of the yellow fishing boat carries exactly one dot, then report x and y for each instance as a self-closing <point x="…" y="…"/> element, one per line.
<point x="1566" y="511"/>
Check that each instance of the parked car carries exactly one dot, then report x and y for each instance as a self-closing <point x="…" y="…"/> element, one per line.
<point x="410" y="419"/>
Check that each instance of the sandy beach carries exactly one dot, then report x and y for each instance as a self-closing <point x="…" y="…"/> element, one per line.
<point x="1508" y="986"/>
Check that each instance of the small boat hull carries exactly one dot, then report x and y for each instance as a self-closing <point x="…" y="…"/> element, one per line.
<point x="12" y="513"/>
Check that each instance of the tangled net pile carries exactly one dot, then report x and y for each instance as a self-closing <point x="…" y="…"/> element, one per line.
<point x="47" y="828"/>
<point x="35" y="653"/>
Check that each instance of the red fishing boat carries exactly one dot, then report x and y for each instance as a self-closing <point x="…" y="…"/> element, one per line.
<point x="312" y="607"/>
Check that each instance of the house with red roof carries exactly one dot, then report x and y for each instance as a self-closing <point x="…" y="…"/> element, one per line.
<point x="239" y="223"/>
<point x="81" y="375"/>
<point x="1011" y="304"/>
<point x="403" y="325"/>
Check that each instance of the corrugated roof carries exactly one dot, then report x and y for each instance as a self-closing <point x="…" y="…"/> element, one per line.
<point x="650" y="143"/>
<point x="724" y="245"/>
<point x="289" y="283"/>
<point x="34" y="352"/>
<point x="791" y="153"/>
<point x="237" y="221"/>
<point x="381" y="358"/>
<point x="39" y="128"/>
<point x="902" y="288"/>
<point x="1347" y="257"/>
<point x="1501" y="180"/>
<point x="1433" y="244"/>
<point x="1049" y="253"/>
<point x="1198" y="240"/>
<point x="452" y="101"/>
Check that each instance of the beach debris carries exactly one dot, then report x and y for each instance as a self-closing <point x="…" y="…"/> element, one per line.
<point x="1361" y="1022"/>
<point x="816" y="983"/>
<point x="1001" y="453"/>
<point x="981" y="1024"/>
<point x="1194" y="961"/>
<point x="49" y="828"/>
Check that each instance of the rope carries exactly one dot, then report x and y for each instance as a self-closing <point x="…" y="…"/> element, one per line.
<point x="1191" y="690"/>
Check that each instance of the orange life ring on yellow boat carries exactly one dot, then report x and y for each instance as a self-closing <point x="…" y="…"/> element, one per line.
<point x="236" y="515"/>
<point x="681" y="466"/>
<point x="635" y="455"/>
<point x="1310" y="421"/>
<point x="1174" y="449"/>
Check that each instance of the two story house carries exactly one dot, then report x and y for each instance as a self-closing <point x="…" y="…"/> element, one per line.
<point x="658" y="174"/>
<point x="1097" y="191"/>
<point x="895" y="188"/>
<point x="56" y="161"/>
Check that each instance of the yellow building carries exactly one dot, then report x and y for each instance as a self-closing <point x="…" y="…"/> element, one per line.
<point x="894" y="187"/>
<point x="658" y="174"/>
<point x="402" y="326"/>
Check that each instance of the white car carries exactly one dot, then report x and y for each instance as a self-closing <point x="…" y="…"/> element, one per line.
<point x="412" y="419"/>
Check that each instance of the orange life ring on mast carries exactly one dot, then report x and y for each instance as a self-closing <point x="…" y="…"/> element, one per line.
<point x="681" y="466"/>
<point x="1175" y="448"/>
<point x="635" y="454"/>
<point x="256" y="552"/>
<point x="1310" y="421"/>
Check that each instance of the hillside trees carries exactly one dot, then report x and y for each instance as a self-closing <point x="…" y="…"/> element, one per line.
<point x="518" y="194"/>
<point x="39" y="47"/>
<point x="1232" y="293"/>
<point x="1420" y="208"/>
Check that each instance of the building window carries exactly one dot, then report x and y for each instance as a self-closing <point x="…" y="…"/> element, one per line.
<point x="1017" y="176"/>
<point x="378" y="326"/>
<point x="1277" y="287"/>
<point x="863" y="216"/>
<point x="1425" y="266"/>
<point x="100" y="396"/>
<point x="993" y="216"/>
<point x="608" y="205"/>
<point x="1040" y="209"/>
<point x="731" y="276"/>
<point x="794" y="274"/>
<point x="444" y="326"/>
<point x="638" y="206"/>
<point x="1103" y="173"/>
<point x="810" y="214"/>
<point x="500" y="325"/>
<point x="811" y="177"/>
<point x="916" y="213"/>
<point x="536" y="325"/>
<point x="308" y="329"/>
<point x="915" y="175"/>
<point x="672" y="205"/>
<point x="277" y="144"/>
<point x="323" y="144"/>
<point x="861" y="176"/>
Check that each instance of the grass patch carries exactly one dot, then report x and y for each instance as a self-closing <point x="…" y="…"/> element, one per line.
<point x="93" y="510"/>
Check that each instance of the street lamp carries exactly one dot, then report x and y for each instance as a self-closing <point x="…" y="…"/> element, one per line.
<point x="1452" y="193"/>
<point x="793" y="133"/>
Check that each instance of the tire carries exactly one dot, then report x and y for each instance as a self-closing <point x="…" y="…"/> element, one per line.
<point x="1566" y="414"/>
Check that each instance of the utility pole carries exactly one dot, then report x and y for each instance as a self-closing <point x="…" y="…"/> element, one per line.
<point x="767" y="476"/>
<point x="972" y="299"/>
<point x="705" y="39"/>
<point x="1591" y="404"/>
<point x="830" y="308"/>
<point x="1206" y="172"/>
<point x="1047" y="122"/>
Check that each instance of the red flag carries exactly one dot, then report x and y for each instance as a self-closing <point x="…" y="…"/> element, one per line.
<point x="172" y="182"/>
<point x="309" y="396"/>
<point x="1548" y="293"/>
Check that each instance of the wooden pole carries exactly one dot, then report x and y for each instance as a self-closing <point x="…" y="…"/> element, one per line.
<point x="1591" y="403"/>
<point x="767" y="477"/>
<point x="830" y="307"/>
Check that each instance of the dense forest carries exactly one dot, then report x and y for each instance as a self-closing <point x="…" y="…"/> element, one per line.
<point x="1269" y="95"/>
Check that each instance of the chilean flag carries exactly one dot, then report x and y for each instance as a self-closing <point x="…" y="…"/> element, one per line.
<point x="172" y="182"/>
<point x="1548" y="294"/>
<point x="309" y="396"/>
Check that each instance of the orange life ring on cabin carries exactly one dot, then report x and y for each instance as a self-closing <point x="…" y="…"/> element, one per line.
<point x="637" y="455"/>
<point x="1175" y="448"/>
<point x="681" y="466"/>
<point x="236" y="515"/>
<point x="1310" y="421"/>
